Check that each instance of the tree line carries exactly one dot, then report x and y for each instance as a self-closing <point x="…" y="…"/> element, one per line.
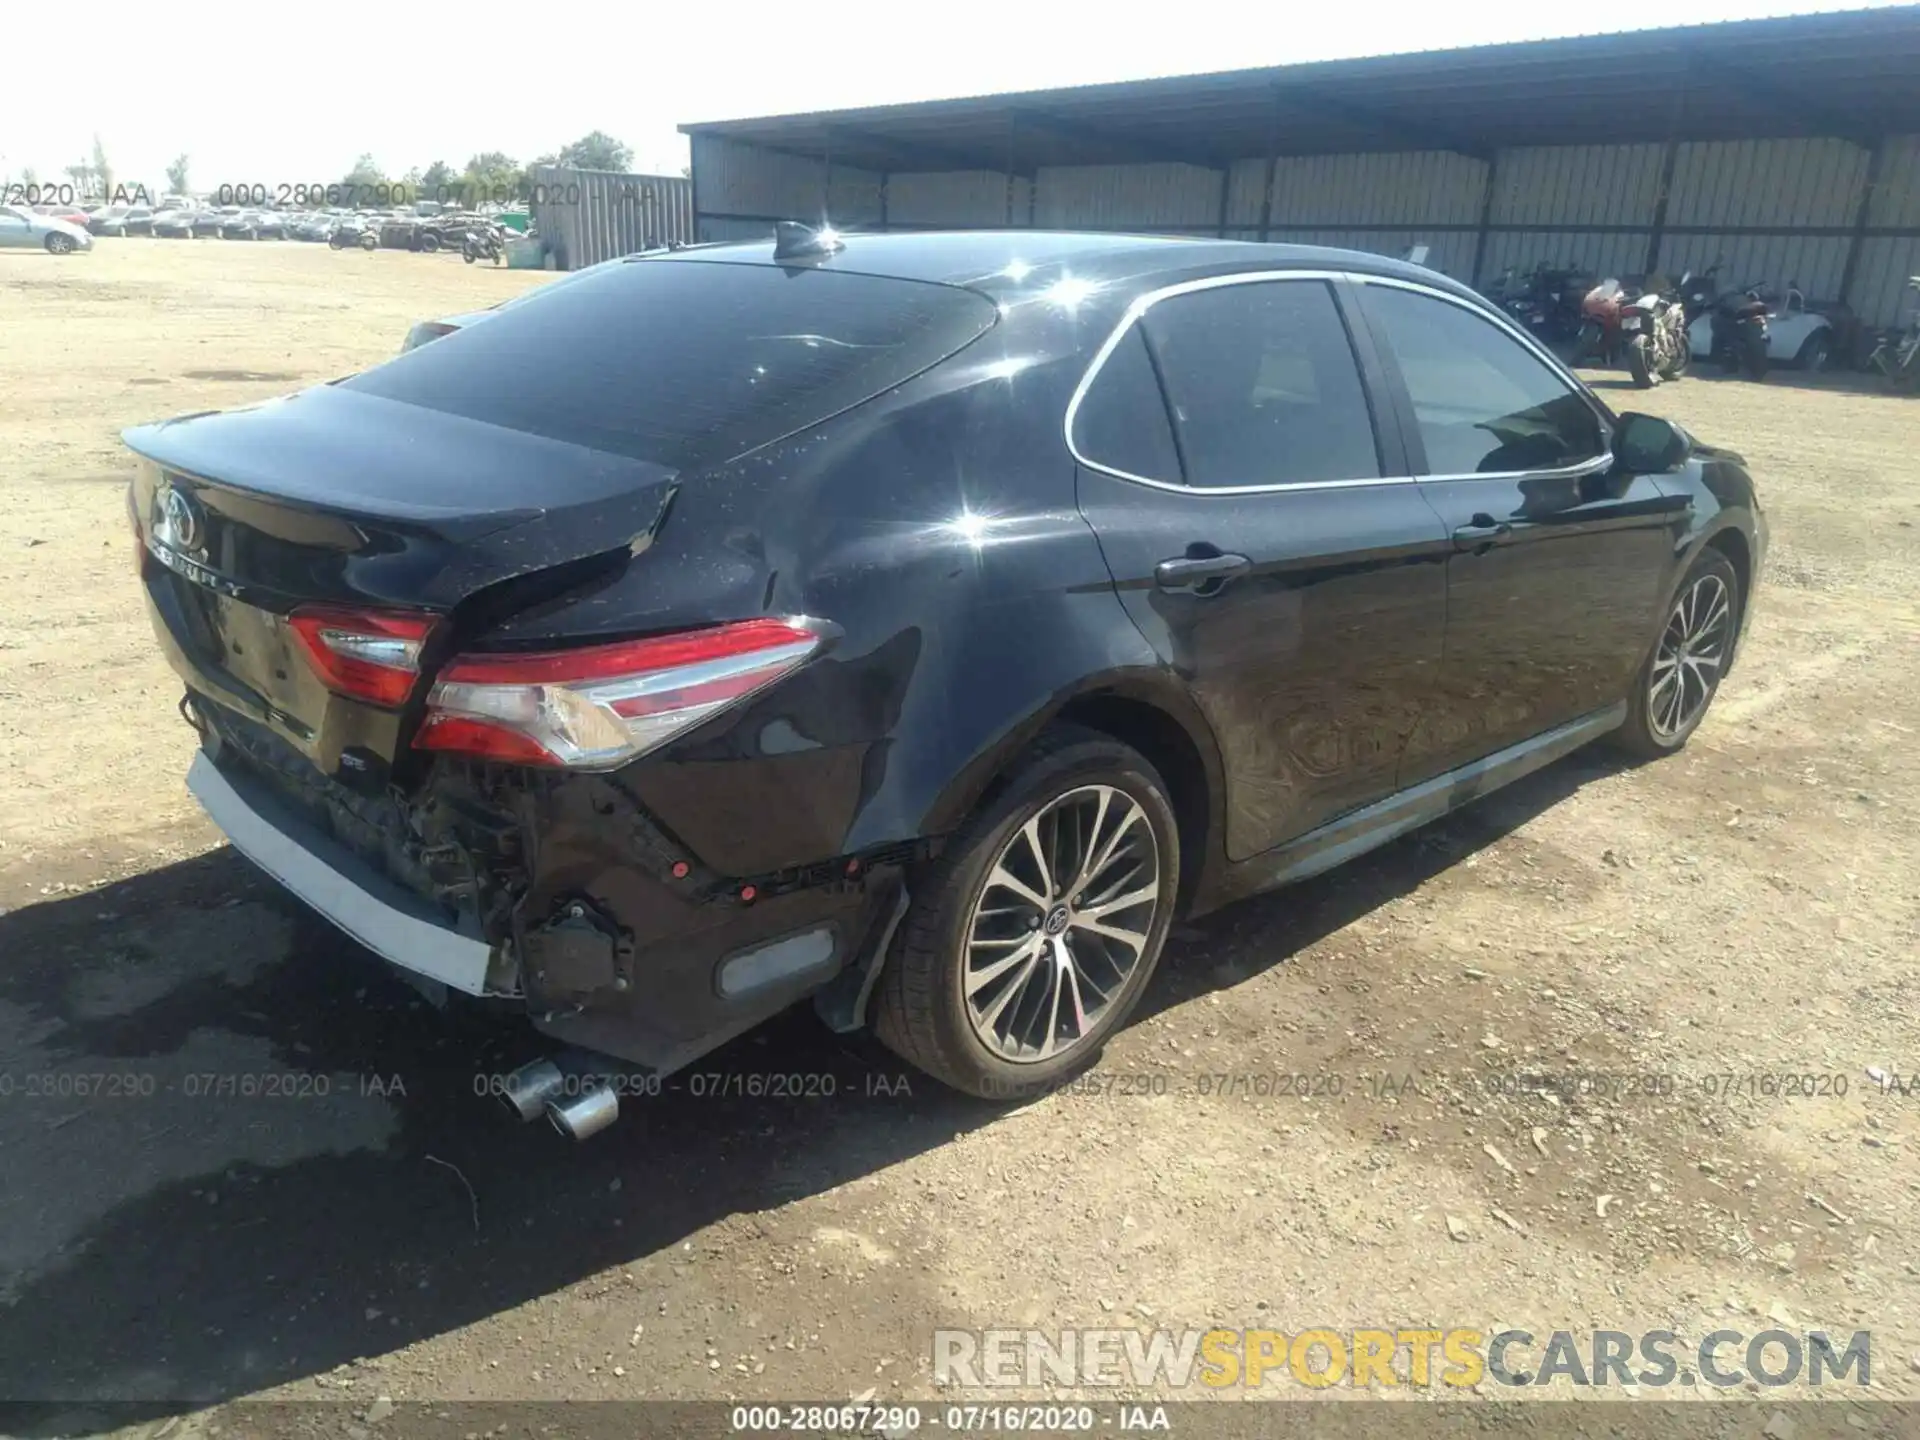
<point x="491" y="174"/>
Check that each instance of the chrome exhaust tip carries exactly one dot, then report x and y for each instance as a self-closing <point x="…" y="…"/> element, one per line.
<point x="585" y="1114"/>
<point x="529" y="1088"/>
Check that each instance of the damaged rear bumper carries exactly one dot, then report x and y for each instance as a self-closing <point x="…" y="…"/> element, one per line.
<point x="334" y="881"/>
<point x="614" y="942"/>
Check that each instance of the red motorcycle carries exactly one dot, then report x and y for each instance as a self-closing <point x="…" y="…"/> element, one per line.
<point x="1600" y="324"/>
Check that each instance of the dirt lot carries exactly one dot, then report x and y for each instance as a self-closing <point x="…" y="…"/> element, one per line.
<point x="1680" y="933"/>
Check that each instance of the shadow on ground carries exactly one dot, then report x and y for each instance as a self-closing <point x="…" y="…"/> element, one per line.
<point x="226" y="1272"/>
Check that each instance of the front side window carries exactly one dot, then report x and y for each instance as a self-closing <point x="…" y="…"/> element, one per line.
<point x="1484" y="403"/>
<point x="1263" y="385"/>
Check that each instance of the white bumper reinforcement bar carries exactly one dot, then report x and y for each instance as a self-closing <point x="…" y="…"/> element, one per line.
<point x="363" y="903"/>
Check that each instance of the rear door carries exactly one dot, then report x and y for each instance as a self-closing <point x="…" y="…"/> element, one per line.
<point x="1263" y="535"/>
<point x="1559" y="557"/>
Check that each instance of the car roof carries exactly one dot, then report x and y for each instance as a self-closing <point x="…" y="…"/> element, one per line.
<point x="1000" y="263"/>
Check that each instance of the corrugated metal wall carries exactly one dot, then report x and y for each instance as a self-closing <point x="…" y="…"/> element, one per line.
<point x="1428" y="188"/>
<point x="1772" y="210"/>
<point x="1793" y="184"/>
<point x="966" y="200"/>
<point x="1577" y="185"/>
<point x="586" y="216"/>
<point x="1886" y="261"/>
<point x="1603" y="253"/>
<point x="1129" y="197"/>
<point x="749" y="183"/>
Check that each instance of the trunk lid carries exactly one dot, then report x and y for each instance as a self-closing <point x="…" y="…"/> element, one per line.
<point x="346" y="499"/>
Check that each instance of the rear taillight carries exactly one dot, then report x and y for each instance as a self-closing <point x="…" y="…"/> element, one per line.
<point x="602" y="705"/>
<point x="364" y="654"/>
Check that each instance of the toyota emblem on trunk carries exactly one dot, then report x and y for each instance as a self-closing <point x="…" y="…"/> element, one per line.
<point x="179" y="527"/>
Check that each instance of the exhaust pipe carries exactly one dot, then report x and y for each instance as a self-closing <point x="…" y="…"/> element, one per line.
<point x="529" y="1088"/>
<point x="588" y="1113"/>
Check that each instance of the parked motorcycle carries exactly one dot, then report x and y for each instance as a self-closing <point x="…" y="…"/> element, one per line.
<point x="1545" y="302"/>
<point x="1897" y="356"/>
<point x="1600" y="336"/>
<point x="484" y="242"/>
<point x="1699" y="289"/>
<point x="1653" y="328"/>
<point x="353" y="232"/>
<point x="1740" y="331"/>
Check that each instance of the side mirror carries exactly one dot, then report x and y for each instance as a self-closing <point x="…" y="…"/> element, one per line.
<point x="1648" y="445"/>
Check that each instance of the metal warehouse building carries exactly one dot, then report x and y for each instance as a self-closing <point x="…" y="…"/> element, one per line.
<point x="1790" y="147"/>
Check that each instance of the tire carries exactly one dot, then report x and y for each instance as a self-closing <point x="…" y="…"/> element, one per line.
<point x="1815" y="352"/>
<point x="1682" y="358"/>
<point x="58" y="244"/>
<point x="334" y="242"/>
<point x="1640" y="362"/>
<point x="369" y="242"/>
<point x="1070" y="781"/>
<point x="429" y="242"/>
<point x="1652" y="729"/>
<point x="468" y="255"/>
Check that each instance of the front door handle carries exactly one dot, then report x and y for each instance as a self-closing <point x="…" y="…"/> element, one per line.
<point x="1200" y="574"/>
<point x="1480" y="533"/>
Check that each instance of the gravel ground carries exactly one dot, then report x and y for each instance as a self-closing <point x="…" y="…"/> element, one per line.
<point x="1538" y="1039"/>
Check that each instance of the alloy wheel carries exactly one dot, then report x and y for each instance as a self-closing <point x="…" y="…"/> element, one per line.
<point x="1691" y="656"/>
<point x="1062" y="922"/>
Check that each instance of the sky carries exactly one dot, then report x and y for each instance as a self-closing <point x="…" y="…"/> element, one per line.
<point x="260" y="95"/>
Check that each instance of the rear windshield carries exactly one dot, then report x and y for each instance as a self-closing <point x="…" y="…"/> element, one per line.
<point x="685" y="363"/>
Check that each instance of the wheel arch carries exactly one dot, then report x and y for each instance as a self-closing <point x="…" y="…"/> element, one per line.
<point x="1731" y="542"/>
<point x="1149" y="715"/>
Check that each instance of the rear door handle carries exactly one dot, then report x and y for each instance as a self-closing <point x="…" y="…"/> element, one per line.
<point x="1200" y="574"/>
<point x="1480" y="533"/>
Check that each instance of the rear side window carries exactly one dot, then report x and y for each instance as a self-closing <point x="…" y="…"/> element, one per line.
<point x="1264" y="386"/>
<point x="686" y="363"/>
<point x="1122" y="420"/>
<point x="1484" y="403"/>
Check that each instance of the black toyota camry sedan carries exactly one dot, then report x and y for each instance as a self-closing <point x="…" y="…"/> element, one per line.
<point x="912" y="624"/>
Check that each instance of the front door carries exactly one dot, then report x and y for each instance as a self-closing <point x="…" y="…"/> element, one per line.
<point x="1264" y="537"/>
<point x="1560" y="557"/>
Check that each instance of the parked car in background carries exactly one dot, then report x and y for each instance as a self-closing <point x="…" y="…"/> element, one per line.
<point x="1796" y="334"/>
<point x="912" y="625"/>
<point x="72" y="214"/>
<point x="207" y="223"/>
<point x="408" y="232"/>
<point x="173" y="224"/>
<point x="253" y="225"/>
<point x="21" y="227"/>
<point x="119" y="220"/>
